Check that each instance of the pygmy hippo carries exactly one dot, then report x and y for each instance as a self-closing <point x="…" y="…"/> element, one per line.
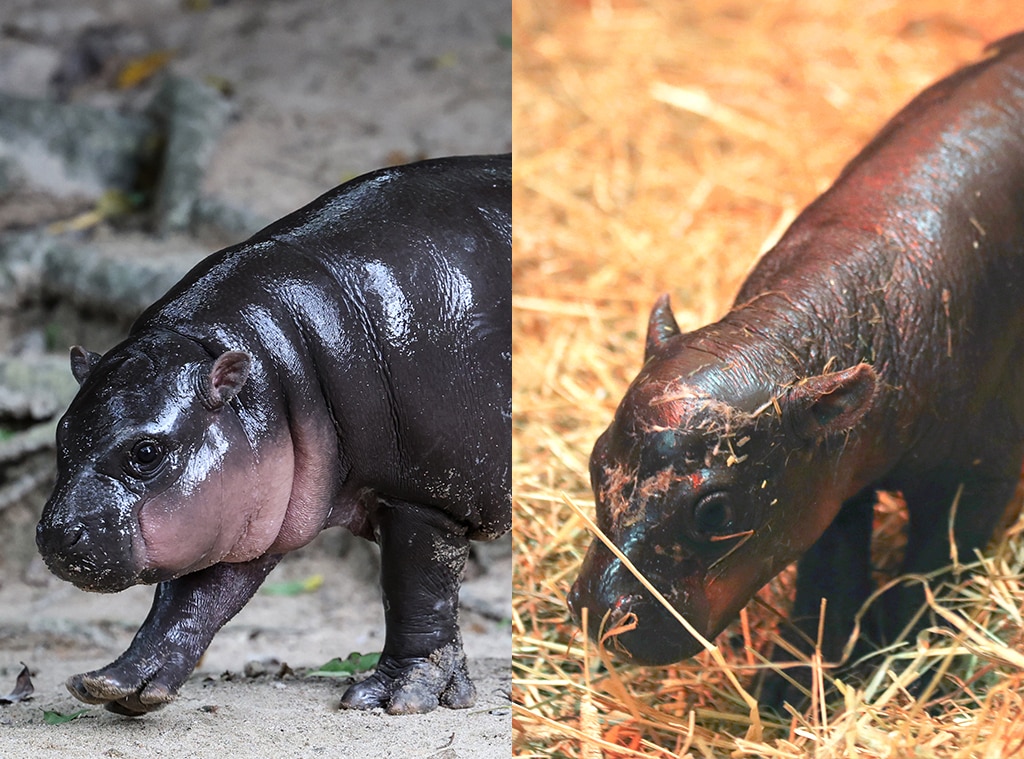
<point x="878" y="345"/>
<point x="349" y="365"/>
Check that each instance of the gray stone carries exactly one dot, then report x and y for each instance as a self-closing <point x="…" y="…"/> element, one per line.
<point x="34" y="388"/>
<point x="70" y="149"/>
<point x="90" y="280"/>
<point x="195" y="115"/>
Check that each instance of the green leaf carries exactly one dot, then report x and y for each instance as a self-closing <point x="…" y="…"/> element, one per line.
<point x="293" y="587"/>
<point x="56" y="718"/>
<point x="354" y="663"/>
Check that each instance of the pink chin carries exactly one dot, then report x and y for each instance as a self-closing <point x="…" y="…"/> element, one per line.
<point x="728" y="594"/>
<point x="172" y="543"/>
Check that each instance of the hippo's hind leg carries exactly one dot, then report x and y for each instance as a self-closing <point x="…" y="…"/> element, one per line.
<point x="185" y="615"/>
<point x="423" y="552"/>
<point x="981" y="499"/>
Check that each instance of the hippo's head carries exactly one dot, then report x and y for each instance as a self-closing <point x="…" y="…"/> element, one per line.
<point x="155" y="471"/>
<point x="710" y="480"/>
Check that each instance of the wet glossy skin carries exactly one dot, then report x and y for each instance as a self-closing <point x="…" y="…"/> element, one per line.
<point x="349" y="365"/>
<point x="880" y="344"/>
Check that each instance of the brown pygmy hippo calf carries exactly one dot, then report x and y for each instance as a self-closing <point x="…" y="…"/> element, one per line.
<point x="879" y="345"/>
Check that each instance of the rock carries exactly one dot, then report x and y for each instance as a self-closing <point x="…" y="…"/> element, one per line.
<point x="194" y="115"/>
<point x="21" y="263"/>
<point x="106" y="279"/>
<point x="224" y="224"/>
<point x="70" y="149"/>
<point x="34" y="388"/>
<point x="93" y="281"/>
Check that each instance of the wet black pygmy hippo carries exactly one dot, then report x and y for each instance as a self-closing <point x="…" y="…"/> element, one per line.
<point x="348" y="365"/>
<point x="878" y="345"/>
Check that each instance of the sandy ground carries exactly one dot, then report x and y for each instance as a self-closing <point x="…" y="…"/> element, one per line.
<point x="234" y="702"/>
<point x="321" y="92"/>
<point x="223" y="711"/>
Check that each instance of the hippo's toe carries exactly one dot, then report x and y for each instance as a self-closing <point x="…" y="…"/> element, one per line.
<point x="120" y="691"/>
<point x="415" y="686"/>
<point x="460" y="693"/>
<point x="96" y="688"/>
<point x="77" y="689"/>
<point x="130" y="707"/>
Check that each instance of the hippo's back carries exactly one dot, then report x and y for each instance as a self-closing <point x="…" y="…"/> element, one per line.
<point x="912" y="262"/>
<point x="388" y="297"/>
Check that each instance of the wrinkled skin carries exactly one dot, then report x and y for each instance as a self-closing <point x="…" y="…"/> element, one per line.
<point x="350" y="365"/>
<point x="879" y="345"/>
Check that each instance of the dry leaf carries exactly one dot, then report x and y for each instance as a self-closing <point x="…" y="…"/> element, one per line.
<point x="23" y="688"/>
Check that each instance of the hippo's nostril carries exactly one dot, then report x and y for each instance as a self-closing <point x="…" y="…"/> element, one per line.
<point x="59" y="539"/>
<point x="75" y="536"/>
<point x="623" y="603"/>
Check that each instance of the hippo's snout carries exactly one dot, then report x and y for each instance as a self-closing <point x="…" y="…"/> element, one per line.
<point x="91" y="557"/>
<point x="612" y="595"/>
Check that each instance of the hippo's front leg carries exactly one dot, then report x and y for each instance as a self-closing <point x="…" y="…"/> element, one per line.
<point x="186" y="614"/>
<point x="837" y="568"/>
<point x="423" y="553"/>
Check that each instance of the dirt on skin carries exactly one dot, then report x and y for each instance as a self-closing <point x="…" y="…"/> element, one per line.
<point x="321" y="92"/>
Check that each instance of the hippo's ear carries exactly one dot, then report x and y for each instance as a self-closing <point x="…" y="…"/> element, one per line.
<point x="227" y="375"/>
<point x="660" y="327"/>
<point x="831" y="404"/>
<point x="82" y="362"/>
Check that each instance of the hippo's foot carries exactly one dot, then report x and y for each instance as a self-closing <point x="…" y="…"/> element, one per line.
<point x="417" y="685"/>
<point x="793" y="684"/>
<point x="793" y="688"/>
<point x="185" y="615"/>
<point x="423" y="665"/>
<point x="127" y="689"/>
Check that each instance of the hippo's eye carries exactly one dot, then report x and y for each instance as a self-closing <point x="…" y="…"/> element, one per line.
<point x="713" y="515"/>
<point x="146" y="457"/>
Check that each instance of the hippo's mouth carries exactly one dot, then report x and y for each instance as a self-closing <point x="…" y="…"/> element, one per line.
<point x="92" y="558"/>
<point x="86" y="574"/>
<point x="650" y="634"/>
